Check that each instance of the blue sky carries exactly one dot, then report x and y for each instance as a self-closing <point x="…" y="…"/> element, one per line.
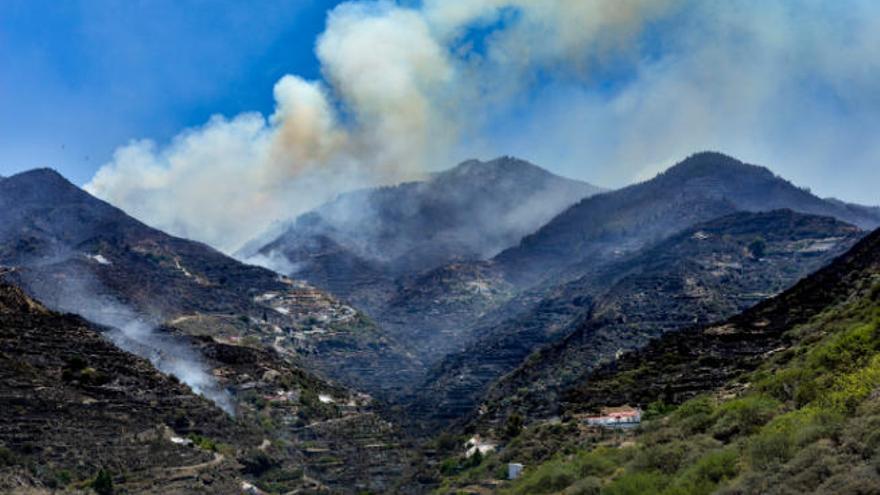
<point x="80" y="78"/>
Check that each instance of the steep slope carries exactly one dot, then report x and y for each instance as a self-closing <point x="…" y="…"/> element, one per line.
<point x="690" y="279"/>
<point x="74" y="404"/>
<point x="317" y="435"/>
<point x="432" y="312"/>
<point x="79" y="254"/>
<point x="355" y="245"/>
<point x="697" y="359"/>
<point x="782" y="398"/>
<point x="707" y="272"/>
<point x="703" y="186"/>
<point x="528" y="295"/>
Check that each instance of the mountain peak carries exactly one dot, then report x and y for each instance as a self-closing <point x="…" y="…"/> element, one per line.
<point x="713" y="163"/>
<point x="43" y="186"/>
<point x="42" y="173"/>
<point x="502" y="165"/>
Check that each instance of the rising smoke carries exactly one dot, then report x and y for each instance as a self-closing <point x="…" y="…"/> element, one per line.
<point x="400" y="89"/>
<point x="411" y="89"/>
<point x="78" y="291"/>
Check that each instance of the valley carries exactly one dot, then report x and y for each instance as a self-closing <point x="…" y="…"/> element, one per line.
<point x="391" y="342"/>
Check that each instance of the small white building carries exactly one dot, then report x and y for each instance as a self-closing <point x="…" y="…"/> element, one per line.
<point x="617" y="417"/>
<point x="514" y="469"/>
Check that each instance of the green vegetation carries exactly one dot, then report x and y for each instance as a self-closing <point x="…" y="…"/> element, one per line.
<point x="210" y="444"/>
<point x="807" y="420"/>
<point x="758" y="247"/>
<point x="513" y="426"/>
<point x="103" y="483"/>
<point x="279" y="480"/>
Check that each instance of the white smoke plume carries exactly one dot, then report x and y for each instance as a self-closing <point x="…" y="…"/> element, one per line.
<point x="411" y="88"/>
<point x="78" y="291"/>
<point x="400" y="89"/>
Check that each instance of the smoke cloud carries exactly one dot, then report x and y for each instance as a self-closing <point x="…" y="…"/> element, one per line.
<point x="78" y="291"/>
<point x="608" y="90"/>
<point x="401" y="86"/>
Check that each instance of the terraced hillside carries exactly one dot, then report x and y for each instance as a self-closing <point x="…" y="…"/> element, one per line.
<point x="74" y="404"/>
<point x="79" y="254"/>
<point x="779" y="399"/>
<point x="705" y="273"/>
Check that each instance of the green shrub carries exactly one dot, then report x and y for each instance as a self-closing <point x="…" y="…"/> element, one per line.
<point x="450" y="467"/>
<point x="586" y="486"/>
<point x="657" y="409"/>
<point x="63" y="477"/>
<point x="744" y="416"/>
<point x="202" y="442"/>
<point x="665" y="458"/>
<point x="779" y="440"/>
<point x="550" y="477"/>
<point x="695" y="415"/>
<point x="637" y="483"/>
<point x="103" y="483"/>
<point x="257" y="463"/>
<point x="513" y="426"/>
<point x="846" y="350"/>
<point x="706" y="474"/>
<point x="600" y="462"/>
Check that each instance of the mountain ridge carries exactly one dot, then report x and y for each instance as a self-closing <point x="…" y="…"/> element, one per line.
<point x="469" y="212"/>
<point x="641" y="212"/>
<point x="78" y="253"/>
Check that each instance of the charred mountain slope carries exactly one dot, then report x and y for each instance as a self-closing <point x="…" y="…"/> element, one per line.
<point x="703" y="186"/>
<point x="74" y="404"/>
<point x="707" y="272"/>
<point x="474" y="309"/>
<point x="683" y="364"/>
<point x="780" y="399"/>
<point x="79" y="254"/>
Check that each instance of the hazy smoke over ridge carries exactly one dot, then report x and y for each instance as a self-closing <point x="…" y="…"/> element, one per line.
<point x="77" y="291"/>
<point x="410" y="89"/>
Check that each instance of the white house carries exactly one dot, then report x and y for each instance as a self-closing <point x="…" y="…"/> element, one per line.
<point x="617" y="417"/>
